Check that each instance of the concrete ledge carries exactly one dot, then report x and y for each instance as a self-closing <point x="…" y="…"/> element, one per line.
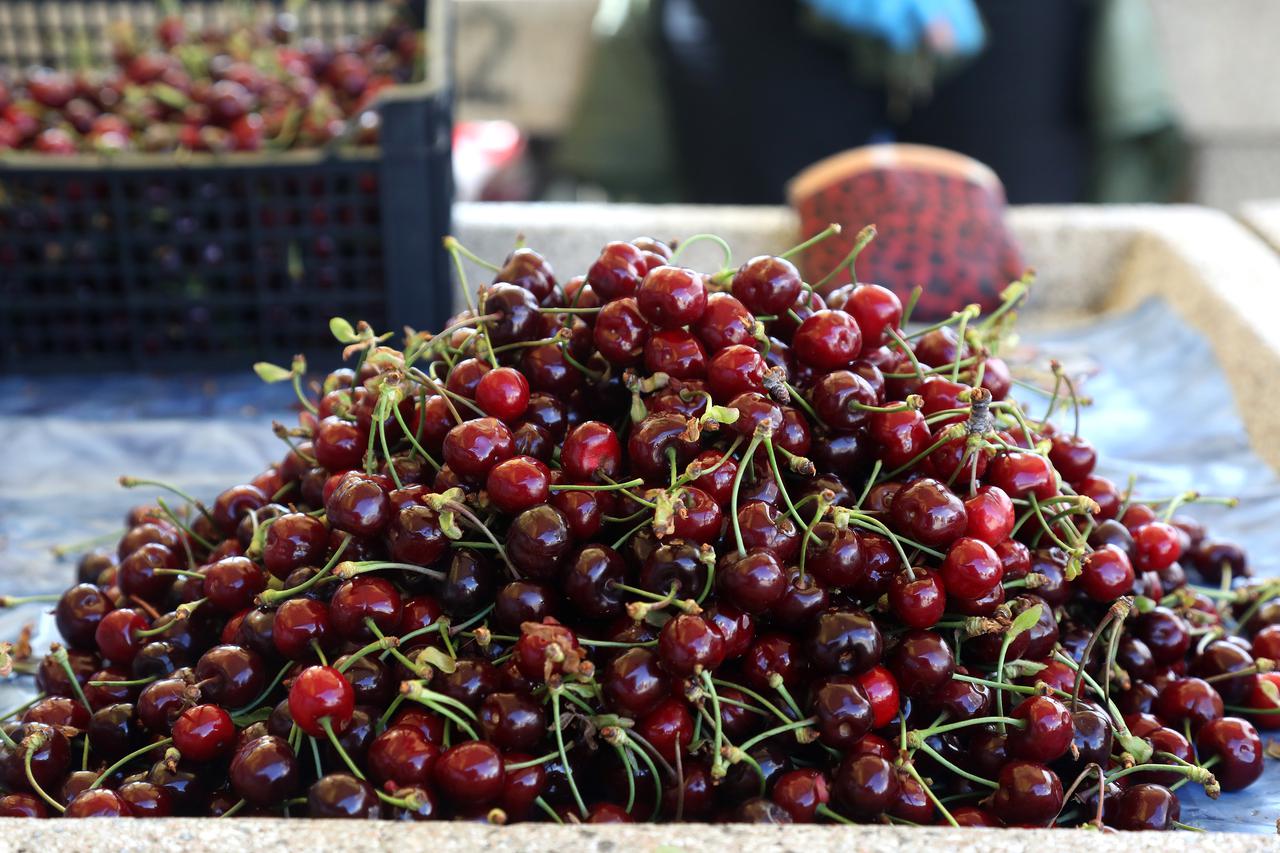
<point x="281" y="836"/>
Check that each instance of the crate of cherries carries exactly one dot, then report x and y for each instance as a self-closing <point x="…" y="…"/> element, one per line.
<point x="655" y="544"/>
<point x="198" y="189"/>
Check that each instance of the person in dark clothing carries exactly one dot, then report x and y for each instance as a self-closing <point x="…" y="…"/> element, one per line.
<point x="756" y="93"/>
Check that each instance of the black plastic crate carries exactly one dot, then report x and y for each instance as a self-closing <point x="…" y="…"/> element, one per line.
<point x="207" y="261"/>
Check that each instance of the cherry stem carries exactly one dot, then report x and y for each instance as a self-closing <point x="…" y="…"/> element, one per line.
<point x="799" y="399"/>
<point x="934" y="371"/>
<point x="737" y="486"/>
<point x="906" y="349"/>
<point x="131" y="683"/>
<point x="697" y="238"/>
<point x="270" y="596"/>
<point x="689" y="476"/>
<point x="556" y="690"/>
<point x="84" y="544"/>
<point x="21" y="708"/>
<point x="948" y="435"/>
<point x="573" y="487"/>
<point x="782" y="489"/>
<point x="625" y="488"/>
<point x="830" y="231"/>
<point x="628" y="765"/>
<point x="938" y="757"/>
<point x="124" y="761"/>
<point x="827" y="812"/>
<point x="466" y="515"/>
<point x="60" y="656"/>
<point x="31" y="747"/>
<point x="134" y="482"/>
<point x="327" y="725"/>
<point x="350" y="570"/>
<point x="823" y="504"/>
<point x="917" y="737"/>
<point x="1190" y="771"/>
<point x="16" y="600"/>
<point x="915" y="774"/>
<point x="440" y="703"/>
<point x="413" y="441"/>
<point x="789" y="727"/>
<point x="717" y="760"/>
<point x="185" y="528"/>
<point x="865" y="236"/>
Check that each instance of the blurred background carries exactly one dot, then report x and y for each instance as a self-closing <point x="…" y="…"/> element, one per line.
<point x="721" y="101"/>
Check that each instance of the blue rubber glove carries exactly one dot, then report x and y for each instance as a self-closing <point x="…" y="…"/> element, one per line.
<point x="951" y="27"/>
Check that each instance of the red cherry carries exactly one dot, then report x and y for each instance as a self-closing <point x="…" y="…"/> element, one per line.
<point x="1105" y="574"/>
<point x="688" y="643"/>
<point x="1022" y="473"/>
<point x="920" y="601"/>
<point x="518" y="483"/>
<point x="617" y="272"/>
<point x="767" y="284"/>
<point x="591" y="452"/>
<point x="991" y="515"/>
<point x="725" y="323"/>
<point x="882" y="689"/>
<point x="321" y="693"/>
<point x="971" y="568"/>
<point x="204" y="733"/>
<point x="828" y="340"/>
<point x="473" y="447"/>
<point x="877" y="310"/>
<point x="735" y="370"/>
<point x="676" y="353"/>
<point x="1073" y="456"/>
<point x="671" y="297"/>
<point x="503" y="393"/>
<point x="1156" y="546"/>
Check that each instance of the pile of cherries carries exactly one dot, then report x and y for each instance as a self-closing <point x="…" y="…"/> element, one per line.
<point x="654" y="544"/>
<point x="239" y="88"/>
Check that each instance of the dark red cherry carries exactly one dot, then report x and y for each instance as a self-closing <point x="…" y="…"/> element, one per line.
<point x="518" y="483"/>
<point x="1023" y="473"/>
<point x="363" y="598"/>
<point x="828" y="340"/>
<point x="1029" y="794"/>
<point x="512" y="721"/>
<point x="1073" y="456"/>
<point x="767" y="284"/>
<point x="900" y="435"/>
<point x="1048" y="731"/>
<point x="676" y="353"/>
<point x="921" y="663"/>
<point x="473" y="447"/>
<point x="990" y="515"/>
<point x="621" y="332"/>
<point x="230" y="676"/>
<point x="1190" y="700"/>
<point x="403" y="755"/>
<point x="753" y="582"/>
<point x="1146" y="807"/>
<point x="633" y="683"/>
<point x="688" y="643"/>
<point x="470" y="773"/>
<point x="971" y="568"/>
<point x="726" y="322"/>
<point x="232" y="583"/>
<point x="294" y="540"/>
<point x="865" y="786"/>
<point x="264" y="771"/>
<point x="98" y="802"/>
<point x="671" y="297"/>
<point x="79" y="612"/>
<point x="930" y="513"/>
<point x="843" y="710"/>
<point x="844" y="641"/>
<point x="877" y="311"/>
<point x="917" y="597"/>
<point x="735" y="370"/>
<point x="539" y="540"/>
<point x="617" y="272"/>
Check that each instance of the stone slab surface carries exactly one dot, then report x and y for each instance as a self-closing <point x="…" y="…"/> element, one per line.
<point x="278" y="836"/>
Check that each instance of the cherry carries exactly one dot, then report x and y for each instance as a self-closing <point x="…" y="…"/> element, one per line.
<point x="676" y="353"/>
<point x="633" y="683"/>
<point x="264" y="771"/>
<point x="292" y="541"/>
<point x="203" y="733"/>
<point x="415" y="535"/>
<point x="753" y="582"/>
<point x="929" y="512"/>
<point x="1023" y="473"/>
<point x="526" y="268"/>
<point x="473" y="447"/>
<point x="617" y="272"/>
<point x="835" y="396"/>
<point x="1072" y="456"/>
<point x="843" y="711"/>
<point x="230" y="675"/>
<point x="1048" y="732"/>
<point x="921" y="663"/>
<point x="358" y="505"/>
<point x="669" y="727"/>
<point x="518" y="483"/>
<point x="689" y="643"/>
<point x="726" y="322"/>
<point x="470" y="773"/>
<point x="671" y="297"/>
<point x="1165" y="633"/>
<point x="800" y="792"/>
<point x="297" y="624"/>
<point x="844" y="641"/>
<point x="865" y="786"/>
<point x="137" y="575"/>
<point x="767" y="284"/>
<point x="363" y="598"/>
<point x="318" y="695"/>
<point x="621" y="332"/>
<point x="232" y="583"/>
<point x="1155" y="546"/>
<point x="917" y="597"/>
<point x="962" y="700"/>
<point x="1106" y="574"/>
<point x="341" y="795"/>
<point x="512" y="721"/>
<point x="117" y="635"/>
<point x="901" y="436"/>
<point x="519" y="321"/>
<point x="990" y="515"/>
<point x="235" y="503"/>
<point x="59" y="712"/>
<point x="828" y="340"/>
<point x="974" y="816"/>
<point x="1261" y="695"/>
<point x="591" y="451"/>
<point x="1029" y="794"/>
<point x="971" y="568"/>
<point x="1146" y="807"/>
<point x="735" y="370"/>
<point x="98" y="802"/>
<point x="22" y="805"/>
<point x="503" y="393"/>
<point x="882" y="691"/>
<point x="402" y="755"/>
<point x="539" y="540"/>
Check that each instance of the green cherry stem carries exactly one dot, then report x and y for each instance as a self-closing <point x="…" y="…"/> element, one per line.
<point x="102" y="777"/>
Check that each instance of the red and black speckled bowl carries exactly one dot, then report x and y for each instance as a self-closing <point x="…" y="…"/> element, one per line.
<point x="939" y="217"/>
